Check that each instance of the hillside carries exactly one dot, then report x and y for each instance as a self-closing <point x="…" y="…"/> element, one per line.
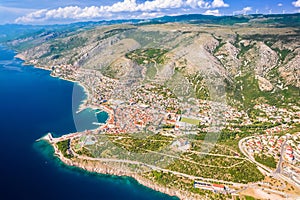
<point x="254" y="58"/>
<point x="191" y="99"/>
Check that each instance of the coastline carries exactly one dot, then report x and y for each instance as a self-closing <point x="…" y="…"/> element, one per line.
<point x="83" y="105"/>
<point x="20" y="56"/>
<point x="103" y="169"/>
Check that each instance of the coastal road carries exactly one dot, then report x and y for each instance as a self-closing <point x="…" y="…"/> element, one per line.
<point x="54" y="140"/>
<point x="159" y="169"/>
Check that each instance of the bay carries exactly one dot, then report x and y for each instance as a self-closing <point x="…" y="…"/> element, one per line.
<point x="33" y="103"/>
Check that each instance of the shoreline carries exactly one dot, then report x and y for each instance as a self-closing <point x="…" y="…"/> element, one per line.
<point x="107" y="170"/>
<point x="83" y="104"/>
<point x="104" y="169"/>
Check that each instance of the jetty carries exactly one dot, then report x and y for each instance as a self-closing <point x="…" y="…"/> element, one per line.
<point x="49" y="138"/>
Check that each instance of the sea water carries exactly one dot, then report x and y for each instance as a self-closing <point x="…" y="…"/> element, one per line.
<point x="32" y="103"/>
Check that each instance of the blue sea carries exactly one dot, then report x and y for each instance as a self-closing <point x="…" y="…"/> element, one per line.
<point x="32" y="103"/>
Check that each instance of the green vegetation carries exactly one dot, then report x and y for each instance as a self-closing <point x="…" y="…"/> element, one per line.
<point x="289" y="20"/>
<point x="151" y="72"/>
<point x="244" y="131"/>
<point x="168" y="126"/>
<point x="200" y="87"/>
<point x="131" y="143"/>
<point x="268" y="161"/>
<point x="282" y="53"/>
<point x="148" y="38"/>
<point x="63" y="147"/>
<point x="230" y="135"/>
<point x="270" y="40"/>
<point x="162" y="90"/>
<point x="224" y="161"/>
<point x="219" y="46"/>
<point x="86" y="152"/>
<point x="109" y="71"/>
<point x="59" y="47"/>
<point x="246" y="91"/>
<point x="295" y="129"/>
<point x="244" y="49"/>
<point x="249" y="198"/>
<point x="217" y="161"/>
<point x="237" y="40"/>
<point x="222" y="147"/>
<point x="243" y="172"/>
<point x="173" y="181"/>
<point x="190" y="121"/>
<point x="147" y="56"/>
<point x="110" y="33"/>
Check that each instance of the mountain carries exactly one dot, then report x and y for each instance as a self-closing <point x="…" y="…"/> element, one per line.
<point x="177" y="88"/>
<point x="256" y="56"/>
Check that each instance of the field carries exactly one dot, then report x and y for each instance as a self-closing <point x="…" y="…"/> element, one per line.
<point x="190" y="121"/>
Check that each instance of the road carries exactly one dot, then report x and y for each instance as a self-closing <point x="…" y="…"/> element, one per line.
<point x="219" y="155"/>
<point x="277" y="173"/>
<point x="265" y="169"/>
<point x="191" y="161"/>
<point x="158" y="169"/>
<point x="279" y="164"/>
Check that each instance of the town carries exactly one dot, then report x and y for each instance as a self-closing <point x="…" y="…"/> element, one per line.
<point x="283" y="153"/>
<point x="136" y="107"/>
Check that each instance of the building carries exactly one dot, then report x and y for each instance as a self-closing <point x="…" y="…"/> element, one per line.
<point x="218" y="188"/>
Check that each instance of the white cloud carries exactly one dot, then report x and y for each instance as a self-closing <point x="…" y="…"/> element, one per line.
<point x="126" y="7"/>
<point x="203" y="4"/>
<point x="296" y="3"/>
<point x="219" y="4"/>
<point x="247" y="9"/>
<point x="70" y="12"/>
<point x="212" y="12"/>
<point x="243" y="11"/>
<point x="160" y="4"/>
<point x="192" y="3"/>
<point x="146" y="15"/>
<point x="279" y="4"/>
<point x="206" y="4"/>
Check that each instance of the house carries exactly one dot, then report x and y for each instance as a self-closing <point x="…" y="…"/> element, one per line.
<point x="218" y="188"/>
<point x="203" y="185"/>
<point x="289" y="150"/>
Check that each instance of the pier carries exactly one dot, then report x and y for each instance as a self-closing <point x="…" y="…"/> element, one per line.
<point x="48" y="137"/>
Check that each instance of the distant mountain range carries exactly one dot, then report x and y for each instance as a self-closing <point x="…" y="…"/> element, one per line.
<point x="13" y="31"/>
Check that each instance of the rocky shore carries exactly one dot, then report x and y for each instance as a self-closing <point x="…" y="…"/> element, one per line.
<point x="101" y="168"/>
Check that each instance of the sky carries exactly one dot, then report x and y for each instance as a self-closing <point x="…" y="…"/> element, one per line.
<point x="67" y="11"/>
